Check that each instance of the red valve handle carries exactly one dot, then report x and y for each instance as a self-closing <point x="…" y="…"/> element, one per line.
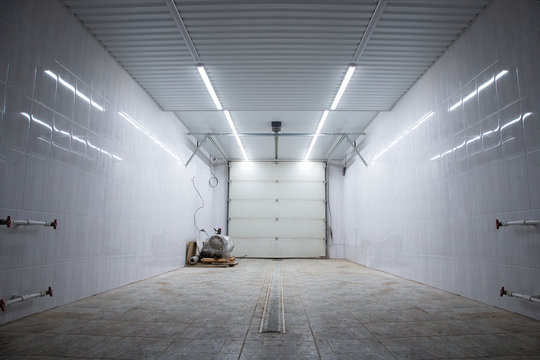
<point x="503" y="292"/>
<point x="2" y="305"/>
<point x="497" y="225"/>
<point x="6" y="222"/>
<point x="54" y="224"/>
<point x="49" y="292"/>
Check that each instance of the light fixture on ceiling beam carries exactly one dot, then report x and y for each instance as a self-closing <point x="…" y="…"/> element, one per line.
<point x="344" y="83"/>
<point x="337" y="98"/>
<point x="381" y="4"/>
<point x="314" y="140"/>
<point x="236" y="136"/>
<point x="209" y="87"/>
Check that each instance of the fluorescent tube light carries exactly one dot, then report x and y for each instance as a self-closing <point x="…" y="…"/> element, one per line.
<point x="229" y="119"/>
<point x="314" y="140"/>
<point x="311" y="146"/>
<point x="233" y="128"/>
<point x="241" y="146"/>
<point x="209" y="86"/>
<point x="343" y="86"/>
<point x="322" y="121"/>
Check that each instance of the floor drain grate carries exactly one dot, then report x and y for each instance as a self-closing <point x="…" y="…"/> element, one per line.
<point x="273" y="319"/>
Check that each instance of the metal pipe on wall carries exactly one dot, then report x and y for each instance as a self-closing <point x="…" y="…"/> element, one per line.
<point x="531" y="298"/>
<point x="20" y="298"/>
<point x="499" y="223"/>
<point x="9" y="221"/>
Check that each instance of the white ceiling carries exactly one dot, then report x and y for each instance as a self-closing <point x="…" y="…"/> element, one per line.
<point x="276" y="60"/>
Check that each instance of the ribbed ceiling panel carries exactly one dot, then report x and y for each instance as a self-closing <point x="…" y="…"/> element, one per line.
<point x="143" y="37"/>
<point x="408" y="38"/>
<point x="276" y="60"/>
<point x="276" y="55"/>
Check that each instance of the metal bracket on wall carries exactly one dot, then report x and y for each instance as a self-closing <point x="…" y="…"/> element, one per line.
<point x="342" y="136"/>
<point x="278" y="134"/>
<point x="353" y="144"/>
<point x="216" y="146"/>
<point x="336" y="147"/>
<point x="199" y="143"/>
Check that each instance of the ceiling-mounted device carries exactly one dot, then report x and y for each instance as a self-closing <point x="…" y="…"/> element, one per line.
<point x="276" y="127"/>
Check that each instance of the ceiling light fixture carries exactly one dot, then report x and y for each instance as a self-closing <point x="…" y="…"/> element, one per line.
<point x="321" y="123"/>
<point x="229" y="119"/>
<point x="343" y="86"/>
<point x="236" y="136"/>
<point x="209" y="87"/>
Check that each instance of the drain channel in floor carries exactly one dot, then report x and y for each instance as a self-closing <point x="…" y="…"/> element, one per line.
<point x="273" y="319"/>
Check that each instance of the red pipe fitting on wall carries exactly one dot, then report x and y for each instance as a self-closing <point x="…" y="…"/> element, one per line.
<point x="6" y="222"/>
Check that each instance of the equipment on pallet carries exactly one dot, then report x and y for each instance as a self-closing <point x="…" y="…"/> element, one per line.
<point x="216" y="246"/>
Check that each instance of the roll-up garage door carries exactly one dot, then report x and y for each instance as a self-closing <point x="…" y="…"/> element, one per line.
<point x="277" y="210"/>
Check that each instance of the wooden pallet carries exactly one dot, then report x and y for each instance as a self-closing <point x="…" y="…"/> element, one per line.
<point x="211" y="262"/>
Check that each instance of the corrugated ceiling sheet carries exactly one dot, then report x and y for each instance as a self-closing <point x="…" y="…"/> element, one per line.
<point x="143" y="37"/>
<point x="409" y="37"/>
<point x="276" y="56"/>
<point x="267" y="55"/>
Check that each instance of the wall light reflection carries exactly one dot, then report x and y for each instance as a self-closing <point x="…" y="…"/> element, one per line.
<point x="478" y="137"/>
<point x="411" y="128"/>
<point x="72" y="88"/>
<point x="73" y="137"/>
<point x="511" y="122"/>
<point x="147" y="133"/>
<point x="480" y="88"/>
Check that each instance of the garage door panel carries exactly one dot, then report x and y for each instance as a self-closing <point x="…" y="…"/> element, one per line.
<point x="281" y="171"/>
<point x="290" y="190"/>
<point x="292" y="226"/>
<point x="270" y="228"/>
<point x="281" y="248"/>
<point x="270" y="209"/>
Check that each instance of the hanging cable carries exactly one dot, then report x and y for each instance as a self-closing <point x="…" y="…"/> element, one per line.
<point x="329" y="233"/>
<point x="199" y="208"/>
<point x="213" y="181"/>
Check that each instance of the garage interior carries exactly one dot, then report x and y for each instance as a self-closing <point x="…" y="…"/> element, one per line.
<point x="375" y="163"/>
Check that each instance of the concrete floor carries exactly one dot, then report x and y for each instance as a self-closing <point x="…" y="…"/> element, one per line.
<point x="334" y="310"/>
